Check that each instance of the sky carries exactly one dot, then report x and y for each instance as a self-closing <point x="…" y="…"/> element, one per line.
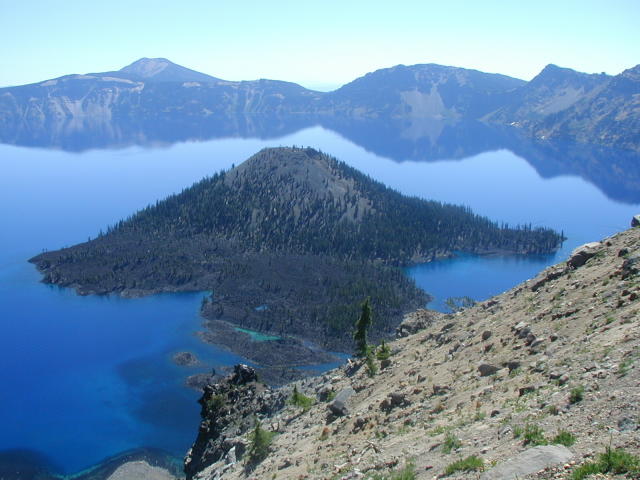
<point x="320" y="45"/>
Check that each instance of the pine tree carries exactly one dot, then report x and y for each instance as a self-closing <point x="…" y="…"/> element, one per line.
<point x="362" y="325"/>
<point x="259" y="444"/>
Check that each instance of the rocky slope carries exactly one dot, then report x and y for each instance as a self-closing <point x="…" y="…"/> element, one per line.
<point x="558" y="353"/>
<point x="422" y="91"/>
<point x="607" y="115"/>
<point x="553" y="90"/>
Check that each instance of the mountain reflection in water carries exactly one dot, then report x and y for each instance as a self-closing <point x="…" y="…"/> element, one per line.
<point x="615" y="172"/>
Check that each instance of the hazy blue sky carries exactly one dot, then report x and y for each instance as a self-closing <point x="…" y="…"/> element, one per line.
<point x="315" y="43"/>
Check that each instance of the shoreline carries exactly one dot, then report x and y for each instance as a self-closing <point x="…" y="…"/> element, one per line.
<point x="224" y="330"/>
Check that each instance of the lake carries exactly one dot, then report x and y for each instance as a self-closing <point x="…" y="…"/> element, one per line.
<point x="87" y="377"/>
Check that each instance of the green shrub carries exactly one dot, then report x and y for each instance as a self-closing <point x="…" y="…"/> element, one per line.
<point x="372" y="367"/>
<point x="624" y="366"/>
<point x="615" y="461"/>
<point x="215" y="403"/>
<point x="259" y="444"/>
<point x="564" y="438"/>
<point x="577" y="394"/>
<point x="469" y="464"/>
<point x="515" y="372"/>
<point x="451" y="442"/>
<point x="384" y="352"/>
<point x="299" y="400"/>
<point x="408" y="472"/>
<point x="533" y="435"/>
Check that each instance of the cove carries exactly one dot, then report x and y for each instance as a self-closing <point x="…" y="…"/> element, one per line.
<point x="458" y="276"/>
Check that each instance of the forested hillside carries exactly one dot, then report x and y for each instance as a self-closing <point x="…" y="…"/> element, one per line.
<point x="290" y="242"/>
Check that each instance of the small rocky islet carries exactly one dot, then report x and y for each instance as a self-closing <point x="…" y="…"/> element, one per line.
<point x="185" y="359"/>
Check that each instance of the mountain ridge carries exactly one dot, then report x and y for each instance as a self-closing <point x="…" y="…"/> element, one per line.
<point x="557" y="104"/>
<point x="553" y="90"/>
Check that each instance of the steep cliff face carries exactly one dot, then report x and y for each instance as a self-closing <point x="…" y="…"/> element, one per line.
<point x="554" y="361"/>
<point x="229" y="411"/>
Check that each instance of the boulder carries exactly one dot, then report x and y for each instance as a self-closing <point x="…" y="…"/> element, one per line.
<point x="631" y="266"/>
<point x="547" y="276"/>
<point x="528" y="462"/>
<point x="398" y="399"/>
<point x="485" y="369"/>
<point x="512" y="365"/>
<point x="416" y="321"/>
<point x="339" y="404"/>
<point x="522" y="391"/>
<point x="521" y="330"/>
<point x="583" y="253"/>
<point x="627" y="424"/>
<point x="441" y="389"/>
<point x="243" y="374"/>
<point x="635" y="221"/>
<point x="324" y="393"/>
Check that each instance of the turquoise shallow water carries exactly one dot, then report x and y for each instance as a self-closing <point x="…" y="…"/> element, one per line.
<point x="83" y="378"/>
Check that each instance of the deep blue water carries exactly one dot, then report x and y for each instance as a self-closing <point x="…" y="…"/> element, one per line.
<point x="86" y="377"/>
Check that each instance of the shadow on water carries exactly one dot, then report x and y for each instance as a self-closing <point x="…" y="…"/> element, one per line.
<point x="159" y="400"/>
<point x="26" y="464"/>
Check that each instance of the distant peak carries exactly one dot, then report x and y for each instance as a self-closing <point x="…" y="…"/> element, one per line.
<point x="553" y="69"/>
<point x="163" y="70"/>
<point x="632" y="73"/>
<point x="147" y="67"/>
<point x="554" y="73"/>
